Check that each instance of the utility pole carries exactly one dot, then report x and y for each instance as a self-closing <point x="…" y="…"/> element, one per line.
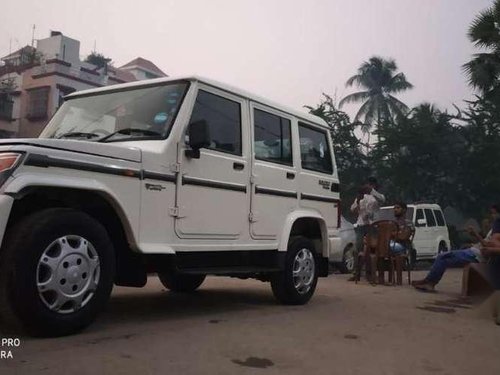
<point x="33" y="36"/>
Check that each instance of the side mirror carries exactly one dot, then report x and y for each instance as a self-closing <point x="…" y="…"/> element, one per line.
<point x="199" y="137"/>
<point x="421" y="222"/>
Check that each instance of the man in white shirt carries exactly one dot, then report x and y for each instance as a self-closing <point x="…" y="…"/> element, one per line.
<point x="372" y="182"/>
<point x="365" y="206"/>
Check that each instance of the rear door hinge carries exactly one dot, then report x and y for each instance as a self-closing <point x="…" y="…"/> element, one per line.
<point x="175" y="167"/>
<point x="175" y="212"/>
<point x="252" y="217"/>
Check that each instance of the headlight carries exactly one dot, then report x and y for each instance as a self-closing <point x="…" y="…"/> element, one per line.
<point x="8" y="163"/>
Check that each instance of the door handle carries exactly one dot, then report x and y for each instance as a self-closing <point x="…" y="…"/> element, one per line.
<point x="290" y="175"/>
<point x="238" y="166"/>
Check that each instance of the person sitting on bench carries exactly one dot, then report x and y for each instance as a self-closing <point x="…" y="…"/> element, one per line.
<point x="401" y="244"/>
<point x="462" y="257"/>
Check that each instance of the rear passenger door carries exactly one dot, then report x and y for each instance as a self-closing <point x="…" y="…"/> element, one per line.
<point x="318" y="181"/>
<point x="274" y="173"/>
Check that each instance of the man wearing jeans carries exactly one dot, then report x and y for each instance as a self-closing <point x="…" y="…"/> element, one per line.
<point x="365" y="206"/>
<point x="461" y="258"/>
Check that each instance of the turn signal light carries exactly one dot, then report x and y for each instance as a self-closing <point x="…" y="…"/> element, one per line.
<point x="8" y="161"/>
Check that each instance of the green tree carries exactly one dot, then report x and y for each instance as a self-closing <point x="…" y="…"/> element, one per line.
<point x="480" y="178"/>
<point x="419" y="157"/>
<point x="380" y="81"/>
<point x="483" y="70"/>
<point x="98" y="60"/>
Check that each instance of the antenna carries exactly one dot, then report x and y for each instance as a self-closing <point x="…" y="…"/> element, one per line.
<point x="33" y="36"/>
<point x="95" y="42"/>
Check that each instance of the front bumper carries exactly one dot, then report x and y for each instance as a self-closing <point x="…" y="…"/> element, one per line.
<point x="5" y="207"/>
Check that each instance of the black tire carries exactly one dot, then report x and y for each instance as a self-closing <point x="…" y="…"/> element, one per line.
<point x="442" y="248"/>
<point x="179" y="282"/>
<point x="343" y="267"/>
<point x="283" y="286"/>
<point x="21" y="303"/>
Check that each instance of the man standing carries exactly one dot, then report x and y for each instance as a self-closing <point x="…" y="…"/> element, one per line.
<point x="365" y="205"/>
<point x="380" y="198"/>
<point x="462" y="257"/>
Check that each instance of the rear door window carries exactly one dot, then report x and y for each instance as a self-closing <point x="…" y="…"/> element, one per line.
<point x="429" y="216"/>
<point x="272" y="138"/>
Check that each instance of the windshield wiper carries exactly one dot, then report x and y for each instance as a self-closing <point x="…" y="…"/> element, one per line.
<point x="78" y="135"/>
<point x="129" y="131"/>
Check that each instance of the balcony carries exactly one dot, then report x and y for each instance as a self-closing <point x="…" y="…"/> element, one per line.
<point x="64" y="69"/>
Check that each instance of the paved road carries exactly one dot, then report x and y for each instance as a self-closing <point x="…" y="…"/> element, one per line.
<point x="234" y="326"/>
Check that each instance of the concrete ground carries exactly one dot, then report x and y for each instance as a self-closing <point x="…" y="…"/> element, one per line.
<point x="235" y="327"/>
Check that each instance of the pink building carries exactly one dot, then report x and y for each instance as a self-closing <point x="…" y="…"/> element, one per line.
<point x="33" y="82"/>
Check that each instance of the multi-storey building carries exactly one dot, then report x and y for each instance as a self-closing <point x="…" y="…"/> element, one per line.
<point x="33" y="82"/>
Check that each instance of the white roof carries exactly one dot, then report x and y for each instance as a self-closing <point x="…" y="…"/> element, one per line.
<point x="225" y="87"/>
<point x="419" y="205"/>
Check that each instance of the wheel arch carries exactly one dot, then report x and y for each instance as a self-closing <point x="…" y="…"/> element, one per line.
<point x="309" y="224"/>
<point x="97" y="203"/>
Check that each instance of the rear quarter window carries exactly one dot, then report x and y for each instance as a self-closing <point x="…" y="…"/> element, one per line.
<point x="315" y="151"/>
<point x="439" y="218"/>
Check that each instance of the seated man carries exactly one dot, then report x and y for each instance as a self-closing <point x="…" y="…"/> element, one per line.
<point x="462" y="257"/>
<point x="402" y="243"/>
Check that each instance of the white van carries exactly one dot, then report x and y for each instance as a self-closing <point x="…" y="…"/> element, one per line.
<point x="183" y="177"/>
<point x="431" y="232"/>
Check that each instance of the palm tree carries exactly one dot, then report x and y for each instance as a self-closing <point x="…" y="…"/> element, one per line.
<point x="484" y="69"/>
<point x="379" y="79"/>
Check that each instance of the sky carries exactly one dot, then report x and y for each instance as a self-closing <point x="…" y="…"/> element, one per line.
<point x="289" y="51"/>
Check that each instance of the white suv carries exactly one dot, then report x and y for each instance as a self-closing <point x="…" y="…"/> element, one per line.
<point x="431" y="232"/>
<point x="183" y="177"/>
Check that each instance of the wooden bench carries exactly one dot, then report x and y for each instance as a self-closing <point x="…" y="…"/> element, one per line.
<point x="476" y="280"/>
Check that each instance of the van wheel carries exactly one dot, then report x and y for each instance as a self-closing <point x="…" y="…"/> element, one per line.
<point x="56" y="272"/>
<point x="347" y="265"/>
<point x="442" y="248"/>
<point x="182" y="283"/>
<point x="295" y="285"/>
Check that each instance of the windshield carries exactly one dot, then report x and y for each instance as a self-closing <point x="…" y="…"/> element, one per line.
<point x="144" y="113"/>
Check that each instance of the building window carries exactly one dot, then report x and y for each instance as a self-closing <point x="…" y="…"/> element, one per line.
<point x="6" y="104"/>
<point x="38" y="103"/>
<point x="150" y="75"/>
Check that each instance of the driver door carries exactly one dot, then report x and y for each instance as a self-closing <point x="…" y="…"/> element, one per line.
<point x="213" y="198"/>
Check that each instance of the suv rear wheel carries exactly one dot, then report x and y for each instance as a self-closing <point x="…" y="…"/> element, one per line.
<point x="347" y="265"/>
<point x="56" y="272"/>
<point x="442" y="248"/>
<point x="295" y="285"/>
<point x="179" y="282"/>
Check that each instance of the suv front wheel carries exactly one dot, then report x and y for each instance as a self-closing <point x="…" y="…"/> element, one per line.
<point x="56" y="272"/>
<point x="296" y="283"/>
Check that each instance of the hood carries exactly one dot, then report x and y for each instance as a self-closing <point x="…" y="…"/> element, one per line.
<point x="111" y="150"/>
